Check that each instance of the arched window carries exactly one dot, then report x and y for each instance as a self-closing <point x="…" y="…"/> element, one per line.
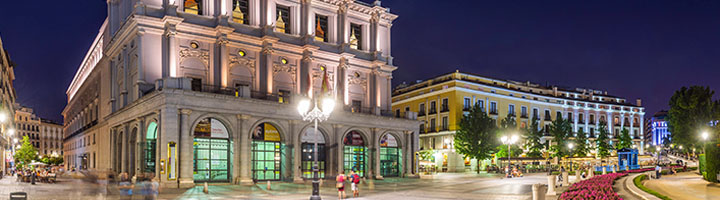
<point x="150" y="150"/>
<point x="308" y="140"/>
<point x="193" y="6"/>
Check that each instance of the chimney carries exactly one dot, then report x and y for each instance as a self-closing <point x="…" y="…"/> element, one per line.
<point x="638" y="102"/>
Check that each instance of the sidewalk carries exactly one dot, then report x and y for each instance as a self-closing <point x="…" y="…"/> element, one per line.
<point x="685" y="185"/>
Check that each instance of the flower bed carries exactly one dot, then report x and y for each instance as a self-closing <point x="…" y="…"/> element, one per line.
<point x="640" y="170"/>
<point x="598" y="187"/>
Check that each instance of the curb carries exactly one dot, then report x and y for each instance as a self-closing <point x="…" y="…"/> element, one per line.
<point x="630" y="186"/>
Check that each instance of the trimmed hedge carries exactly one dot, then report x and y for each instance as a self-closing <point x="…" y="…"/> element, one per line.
<point x="711" y="162"/>
<point x="638" y="182"/>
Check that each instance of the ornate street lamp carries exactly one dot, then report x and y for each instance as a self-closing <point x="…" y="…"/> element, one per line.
<point x="508" y="141"/>
<point x="317" y="114"/>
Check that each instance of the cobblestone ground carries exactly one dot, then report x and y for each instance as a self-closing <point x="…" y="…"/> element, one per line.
<point x="445" y="186"/>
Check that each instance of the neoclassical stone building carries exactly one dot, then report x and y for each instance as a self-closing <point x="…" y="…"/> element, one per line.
<point x="206" y="91"/>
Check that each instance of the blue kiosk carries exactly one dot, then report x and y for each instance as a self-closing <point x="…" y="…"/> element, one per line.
<point x="627" y="158"/>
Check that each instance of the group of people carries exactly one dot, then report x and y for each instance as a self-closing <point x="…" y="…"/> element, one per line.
<point x="354" y="179"/>
<point x="514" y="173"/>
<point x="47" y="175"/>
<point x="144" y="185"/>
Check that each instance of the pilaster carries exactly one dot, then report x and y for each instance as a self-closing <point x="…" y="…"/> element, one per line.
<point x="186" y="150"/>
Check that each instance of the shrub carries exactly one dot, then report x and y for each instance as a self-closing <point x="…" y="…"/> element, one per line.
<point x="638" y="182"/>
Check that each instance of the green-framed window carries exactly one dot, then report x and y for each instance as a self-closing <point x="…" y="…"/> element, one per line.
<point x="307" y="160"/>
<point x="390" y="161"/>
<point x="266" y="160"/>
<point x="212" y="160"/>
<point x="354" y="159"/>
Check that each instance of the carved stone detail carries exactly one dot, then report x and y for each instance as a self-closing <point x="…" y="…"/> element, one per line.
<point x="202" y="55"/>
<point x="285" y="68"/>
<point x="361" y="80"/>
<point x="250" y="64"/>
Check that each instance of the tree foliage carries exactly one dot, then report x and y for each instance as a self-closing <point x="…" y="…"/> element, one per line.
<point x="690" y="111"/>
<point x="581" y="147"/>
<point x="26" y="154"/>
<point x="50" y="160"/>
<point x="560" y="129"/>
<point x="533" y="141"/>
<point x="624" y="141"/>
<point x="603" y="146"/>
<point x="502" y="151"/>
<point x="476" y="136"/>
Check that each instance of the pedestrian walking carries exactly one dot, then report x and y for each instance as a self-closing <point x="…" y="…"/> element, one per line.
<point x="340" y="185"/>
<point x="125" y="186"/>
<point x="355" y="182"/>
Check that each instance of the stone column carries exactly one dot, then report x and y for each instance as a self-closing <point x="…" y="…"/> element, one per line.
<point x="339" y="144"/>
<point x="124" y="152"/>
<point x="575" y="120"/>
<point x="265" y="70"/>
<point x="305" y="20"/>
<point x="186" y="150"/>
<point x="374" y="23"/>
<point x="341" y="81"/>
<point x="139" y="139"/>
<point x="169" y="64"/>
<point x="237" y="142"/>
<point x="376" y="153"/>
<point x="306" y="72"/>
<point x="296" y="156"/>
<point x="245" y="151"/>
<point x="223" y="58"/>
<point x="342" y="33"/>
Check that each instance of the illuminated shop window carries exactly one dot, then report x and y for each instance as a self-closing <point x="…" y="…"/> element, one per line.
<point x="193" y="7"/>
<point x="240" y="11"/>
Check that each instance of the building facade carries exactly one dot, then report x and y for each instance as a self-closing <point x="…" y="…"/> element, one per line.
<point x="441" y="102"/>
<point x="51" y="138"/>
<point x="7" y="108"/>
<point x="659" y="128"/>
<point x="205" y="91"/>
<point x="28" y="125"/>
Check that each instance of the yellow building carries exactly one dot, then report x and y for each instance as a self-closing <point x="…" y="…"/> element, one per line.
<point x="440" y="103"/>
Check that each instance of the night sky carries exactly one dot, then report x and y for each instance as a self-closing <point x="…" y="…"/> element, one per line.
<point x="631" y="48"/>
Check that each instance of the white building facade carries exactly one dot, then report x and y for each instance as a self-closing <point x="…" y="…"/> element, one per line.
<point x="206" y="91"/>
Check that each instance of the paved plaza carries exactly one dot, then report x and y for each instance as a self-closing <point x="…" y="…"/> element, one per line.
<point x="444" y="186"/>
<point x="686" y="185"/>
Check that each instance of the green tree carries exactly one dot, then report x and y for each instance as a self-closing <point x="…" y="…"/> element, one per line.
<point x="560" y="129"/>
<point x="502" y="151"/>
<point x="603" y="147"/>
<point x="26" y="154"/>
<point x="533" y="135"/>
<point x="476" y="136"/>
<point x="580" y="144"/>
<point x="624" y="141"/>
<point x="690" y="111"/>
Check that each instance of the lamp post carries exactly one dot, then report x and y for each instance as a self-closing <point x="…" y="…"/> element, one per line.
<point x="316" y="115"/>
<point x="508" y="141"/>
<point x="705" y="136"/>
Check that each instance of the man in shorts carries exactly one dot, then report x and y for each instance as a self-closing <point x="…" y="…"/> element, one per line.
<point x="355" y="182"/>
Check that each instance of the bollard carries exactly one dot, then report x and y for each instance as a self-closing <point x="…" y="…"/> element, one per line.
<point x="565" y="182"/>
<point x="551" y="185"/>
<point x="590" y="173"/>
<point x="604" y="170"/>
<point x="371" y="184"/>
<point x="205" y="188"/>
<point x="614" y="169"/>
<point x="538" y="191"/>
<point x="268" y="185"/>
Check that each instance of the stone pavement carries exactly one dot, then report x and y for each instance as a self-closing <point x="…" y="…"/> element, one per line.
<point x="445" y="186"/>
<point x="685" y="185"/>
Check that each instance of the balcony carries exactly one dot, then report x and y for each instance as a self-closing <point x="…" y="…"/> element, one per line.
<point x="493" y="112"/>
<point x="524" y="115"/>
<point x="444" y="109"/>
<point x="466" y="108"/>
<point x="444" y="128"/>
<point x="547" y="118"/>
<point x="421" y="113"/>
<point x="432" y="112"/>
<point x="432" y="129"/>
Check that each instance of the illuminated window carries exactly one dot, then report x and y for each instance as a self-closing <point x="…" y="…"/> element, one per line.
<point x="193" y="7"/>
<point x="355" y="36"/>
<point x="240" y="11"/>
<point x="321" y="28"/>
<point x="282" y="23"/>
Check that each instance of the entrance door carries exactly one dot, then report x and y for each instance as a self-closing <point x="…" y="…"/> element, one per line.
<point x="266" y="153"/>
<point x="354" y="153"/>
<point x="390" y="156"/>
<point x="212" y="152"/>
